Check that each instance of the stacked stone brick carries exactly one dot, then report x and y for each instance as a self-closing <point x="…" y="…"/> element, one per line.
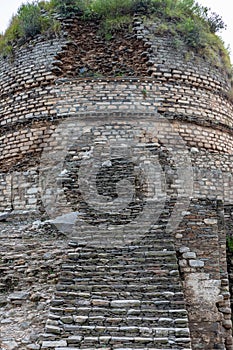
<point x="100" y="300"/>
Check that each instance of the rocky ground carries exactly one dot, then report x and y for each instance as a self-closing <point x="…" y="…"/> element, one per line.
<point x="30" y="260"/>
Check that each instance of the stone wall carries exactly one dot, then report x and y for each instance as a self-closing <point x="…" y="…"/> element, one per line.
<point x="57" y="118"/>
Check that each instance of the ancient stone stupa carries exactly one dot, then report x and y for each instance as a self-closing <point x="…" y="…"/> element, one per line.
<point x="115" y="177"/>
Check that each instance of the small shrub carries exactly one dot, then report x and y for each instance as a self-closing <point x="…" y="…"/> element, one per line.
<point x="215" y="22"/>
<point x="31" y="21"/>
<point x="11" y="35"/>
<point x="190" y="30"/>
<point x="142" y="6"/>
<point x="13" y="31"/>
<point x="68" y="8"/>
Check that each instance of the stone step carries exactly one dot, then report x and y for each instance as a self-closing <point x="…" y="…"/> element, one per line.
<point x="147" y="242"/>
<point x="120" y="298"/>
<point x="128" y="317"/>
<point x="108" y="304"/>
<point x="135" y="322"/>
<point x="117" y="270"/>
<point x="122" y="260"/>
<point x="119" y="254"/>
<point x="162" y="276"/>
<point x="119" y="287"/>
<point x="121" y="264"/>
<point x="125" y="304"/>
<point x="150" y="251"/>
<point x="111" y="295"/>
<point x="113" y="342"/>
<point x="131" y="314"/>
<point x="121" y="331"/>
<point x="153" y="238"/>
<point x="145" y="248"/>
<point x="99" y="280"/>
<point x="177" y="313"/>
<point x="127" y="264"/>
<point x="162" y="270"/>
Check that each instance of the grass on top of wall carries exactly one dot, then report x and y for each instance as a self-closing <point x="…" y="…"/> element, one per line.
<point x="187" y="21"/>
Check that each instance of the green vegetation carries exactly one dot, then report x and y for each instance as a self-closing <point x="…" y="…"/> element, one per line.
<point x="230" y="244"/>
<point x="195" y="26"/>
<point x="30" y="20"/>
<point x="187" y="22"/>
<point x="68" y="8"/>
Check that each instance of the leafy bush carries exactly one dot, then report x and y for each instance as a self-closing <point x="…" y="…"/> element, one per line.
<point x="190" y="30"/>
<point x="12" y="33"/>
<point x="142" y="6"/>
<point x="67" y="8"/>
<point x="215" y="22"/>
<point x="31" y="19"/>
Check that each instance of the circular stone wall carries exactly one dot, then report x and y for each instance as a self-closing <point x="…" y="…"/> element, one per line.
<point x="185" y="107"/>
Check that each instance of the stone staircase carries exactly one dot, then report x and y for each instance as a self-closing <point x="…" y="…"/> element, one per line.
<point x="119" y="298"/>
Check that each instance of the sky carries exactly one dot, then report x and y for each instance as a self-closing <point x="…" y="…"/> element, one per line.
<point x="222" y="7"/>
